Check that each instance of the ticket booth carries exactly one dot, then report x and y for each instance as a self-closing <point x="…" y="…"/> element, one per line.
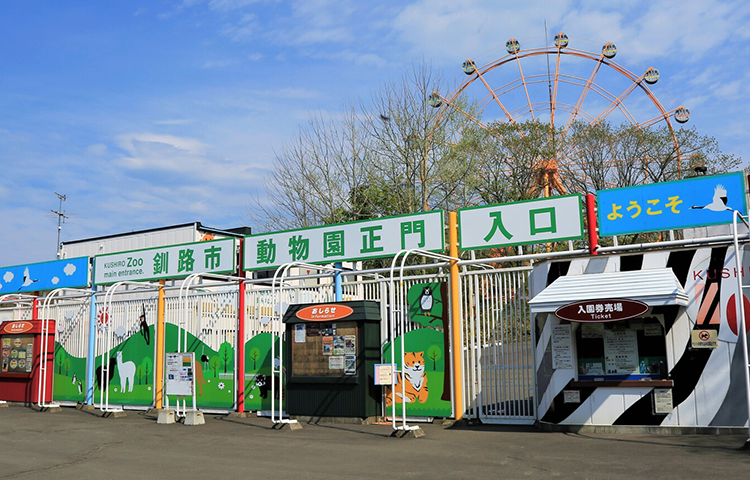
<point x="21" y="344"/>
<point x="331" y="350"/>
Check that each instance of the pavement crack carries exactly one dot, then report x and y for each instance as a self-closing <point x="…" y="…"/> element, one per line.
<point x="78" y="459"/>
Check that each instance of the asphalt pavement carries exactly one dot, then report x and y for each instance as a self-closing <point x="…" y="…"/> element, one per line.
<point x="73" y="444"/>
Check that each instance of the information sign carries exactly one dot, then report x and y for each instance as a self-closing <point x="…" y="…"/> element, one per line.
<point x="663" y="403"/>
<point x="705" y="338"/>
<point x="571" y="396"/>
<point x="532" y="221"/>
<point x="693" y="202"/>
<point x="179" y="373"/>
<point x="383" y="237"/>
<point x="621" y="352"/>
<point x="172" y="261"/>
<point x="383" y="374"/>
<point x="562" y="347"/>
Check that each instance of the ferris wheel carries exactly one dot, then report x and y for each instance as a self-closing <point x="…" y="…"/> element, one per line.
<point x="566" y="91"/>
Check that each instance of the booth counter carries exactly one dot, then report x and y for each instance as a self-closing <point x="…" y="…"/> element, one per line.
<point x="639" y="339"/>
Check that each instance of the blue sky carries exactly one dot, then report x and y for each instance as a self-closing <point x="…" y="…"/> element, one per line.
<point x="152" y="113"/>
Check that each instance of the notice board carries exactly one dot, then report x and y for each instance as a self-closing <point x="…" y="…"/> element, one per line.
<point x="326" y="349"/>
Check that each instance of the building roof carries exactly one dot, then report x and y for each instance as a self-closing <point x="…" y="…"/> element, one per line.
<point x="652" y="287"/>
<point x="238" y="232"/>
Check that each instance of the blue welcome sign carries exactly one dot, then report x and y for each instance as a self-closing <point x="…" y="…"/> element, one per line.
<point x="35" y="277"/>
<point x="694" y="202"/>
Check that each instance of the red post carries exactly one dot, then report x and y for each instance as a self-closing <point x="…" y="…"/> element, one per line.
<point x="35" y="309"/>
<point x="591" y="221"/>
<point x="241" y="340"/>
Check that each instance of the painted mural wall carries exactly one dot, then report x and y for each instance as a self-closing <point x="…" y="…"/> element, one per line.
<point x="709" y="385"/>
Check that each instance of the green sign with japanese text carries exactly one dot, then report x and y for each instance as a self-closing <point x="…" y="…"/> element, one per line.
<point x="172" y="261"/>
<point x="543" y="220"/>
<point x="382" y="237"/>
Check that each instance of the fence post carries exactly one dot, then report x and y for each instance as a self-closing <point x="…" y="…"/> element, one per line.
<point x="455" y="317"/>
<point x="91" y="358"/>
<point x="159" y="370"/>
<point x="591" y="220"/>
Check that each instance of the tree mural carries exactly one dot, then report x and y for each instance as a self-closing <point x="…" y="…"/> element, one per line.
<point x="434" y="353"/>
<point x="254" y="356"/>
<point x="226" y="354"/>
<point x="60" y="360"/>
<point x="215" y="363"/>
<point x="67" y="367"/>
<point x="148" y="367"/>
<point x="139" y="373"/>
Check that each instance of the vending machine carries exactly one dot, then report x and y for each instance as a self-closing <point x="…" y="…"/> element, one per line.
<point x="21" y="344"/>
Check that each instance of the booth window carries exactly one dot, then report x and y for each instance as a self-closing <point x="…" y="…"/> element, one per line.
<point x="632" y="349"/>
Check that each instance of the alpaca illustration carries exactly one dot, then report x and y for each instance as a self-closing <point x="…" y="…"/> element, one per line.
<point x="126" y="371"/>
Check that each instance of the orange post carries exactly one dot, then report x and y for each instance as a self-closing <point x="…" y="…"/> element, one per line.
<point x="159" y="370"/>
<point x="458" y="399"/>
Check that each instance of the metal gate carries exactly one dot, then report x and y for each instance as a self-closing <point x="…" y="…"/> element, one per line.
<point x="498" y="352"/>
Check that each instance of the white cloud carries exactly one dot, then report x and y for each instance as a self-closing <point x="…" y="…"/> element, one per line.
<point x="69" y="269"/>
<point x="8" y="277"/>
<point x="255" y="56"/>
<point x="97" y="149"/>
<point x="55" y="280"/>
<point x="130" y="142"/>
<point x="243" y="29"/>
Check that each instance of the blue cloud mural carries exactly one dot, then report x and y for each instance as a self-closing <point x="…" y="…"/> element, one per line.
<point x="34" y="277"/>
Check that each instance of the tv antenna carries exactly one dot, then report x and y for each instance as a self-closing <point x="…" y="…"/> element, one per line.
<point x="61" y="217"/>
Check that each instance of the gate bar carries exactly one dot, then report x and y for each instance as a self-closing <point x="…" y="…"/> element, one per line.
<point x="104" y="383"/>
<point x="185" y="286"/>
<point x="42" y="391"/>
<point x="741" y="331"/>
<point x="284" y="269"/>
<point x="394" y="309"/>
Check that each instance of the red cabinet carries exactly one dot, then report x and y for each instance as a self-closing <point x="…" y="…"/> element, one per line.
<point x="21" y="344"/>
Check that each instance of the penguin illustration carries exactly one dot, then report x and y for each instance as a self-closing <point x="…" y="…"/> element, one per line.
<point x="144" y="326"/>
<point x="426" y="301"/>
<point x="75" y="378"/>
<point x="719" y="202"/>
<point x="80" y="387"/>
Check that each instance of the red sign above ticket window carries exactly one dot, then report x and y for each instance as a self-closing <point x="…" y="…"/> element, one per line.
<point x="609" y="310"/>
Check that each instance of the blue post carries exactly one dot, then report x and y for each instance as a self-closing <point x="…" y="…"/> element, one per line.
<point x="91" y="358"/>
<point x="337" y="282"/>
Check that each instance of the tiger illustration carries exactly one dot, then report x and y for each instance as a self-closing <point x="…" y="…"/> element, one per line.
<point x="416" y="380"/>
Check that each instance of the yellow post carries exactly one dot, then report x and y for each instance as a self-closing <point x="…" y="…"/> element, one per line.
<point x="159" y="370"/>
<point x="458" y="399"/>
